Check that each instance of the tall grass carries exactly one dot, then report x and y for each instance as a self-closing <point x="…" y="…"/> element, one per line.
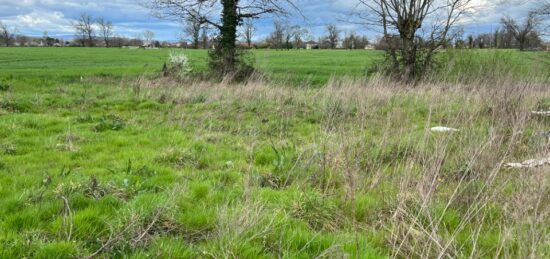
<point x="374" y="164"/>
<point x="260" y="169"/>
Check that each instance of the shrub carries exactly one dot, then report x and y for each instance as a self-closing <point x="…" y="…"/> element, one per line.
<point x="241" y="71"/>
<point x="178" y="65"/>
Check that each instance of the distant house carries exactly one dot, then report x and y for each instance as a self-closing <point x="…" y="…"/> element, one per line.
<point x="312" y="45"/>
<point x="369" y="46"/>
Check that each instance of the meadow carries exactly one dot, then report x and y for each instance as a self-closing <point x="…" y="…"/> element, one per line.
<point x="102" y="157"/>
<point x="303" y="68"/>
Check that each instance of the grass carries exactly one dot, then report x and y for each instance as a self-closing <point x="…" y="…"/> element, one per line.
<point x="126" y="166"/>
<point x="303" y="67"/>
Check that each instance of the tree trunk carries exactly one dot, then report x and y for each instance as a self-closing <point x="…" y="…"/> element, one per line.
<point x="409" y="58"/>
<point x="195" y="42"/>
<point x="521" y="45"/>
<point x="230" y="21"/>
<point x="196" y="35"/>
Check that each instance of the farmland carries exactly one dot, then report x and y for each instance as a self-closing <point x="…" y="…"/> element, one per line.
<point x="100" y="156"/>
<point x="315" y="66"/>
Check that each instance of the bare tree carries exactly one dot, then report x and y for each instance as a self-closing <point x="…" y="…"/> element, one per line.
<point x="84" y="29"/>
<point x="22" y="40"/>
<point x="229" y="13"/>
<point x="277" y="37"/>
<point x="6" y="35"/>
<point x="354" y="41"/>
<point x="193" y="29"/>
<point x="545" y="9"/>
<point x="521" y="32"/>
<point x="248" y="31"/>
<point x="106" y="29"/>
<point x="288" y="34"/>
<point x="333" y="35"/>
<point x="205" y="36"/>
<point x="149" y="35"/>
<point x="544" y="12"/>
<point x="298" y="34"/>
<point x="413" y="29"/>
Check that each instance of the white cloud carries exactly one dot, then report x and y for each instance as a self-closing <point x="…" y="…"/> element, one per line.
<point x="56" y="16"/>
<point x="42" y="21"/>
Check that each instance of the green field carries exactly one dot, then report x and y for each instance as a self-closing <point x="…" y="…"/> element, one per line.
<point x="97" y="160"/>
<point x="313" y="67"/>
<point x="71" y="63"/>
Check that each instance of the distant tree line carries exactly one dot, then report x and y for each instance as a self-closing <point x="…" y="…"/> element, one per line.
<point x="89" y="32"/>
<point x="511" y="34"/>
<point x="286" y="36"/>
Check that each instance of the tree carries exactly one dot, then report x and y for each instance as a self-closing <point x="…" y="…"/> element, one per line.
<point x="545" y="9"/>
<point x="333" y="35"/>
<point x="231" y="14"/>
<point x="413" y="30"/>
<point x="298" y="34"/>
<point x="248" y="31"/>
<point x="22" y="40"/>
<point x="521" y="32"/>
<point x="354" y="41"/>
<point x="544" y="12"/>
<point x="47" y="40"/>
<point x="106" y="29"/>
<point x="288" y="33"/>
<point x="193" y="29"/>
<point x="6" y="35"/>
<point x="149" y="36"/>
<point x="85" y="29"/>
<point x="205" y="38"/>
<point x="277" y="37"/>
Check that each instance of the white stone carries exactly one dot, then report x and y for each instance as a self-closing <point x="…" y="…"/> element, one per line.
<point x="443" y="129"/>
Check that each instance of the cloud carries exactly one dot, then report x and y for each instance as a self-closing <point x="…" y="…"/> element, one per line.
<point x="33" y="17"/>
<point x="38" y="22"/>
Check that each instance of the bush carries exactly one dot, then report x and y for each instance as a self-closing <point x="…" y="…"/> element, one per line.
<point x="178" y="65"/>
<point x="240" y="71"/>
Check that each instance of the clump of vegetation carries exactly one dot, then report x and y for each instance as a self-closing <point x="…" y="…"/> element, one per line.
<point x="4" y="87"/>
<point x="110" y="122"/>
<point x="194" y="158"/>
<point x="320" y="213"/>
<point x="178" y="65"/>
<point x="14" y="106"/>
<point x="9" y="149"/>
<point x="242" y="64"/>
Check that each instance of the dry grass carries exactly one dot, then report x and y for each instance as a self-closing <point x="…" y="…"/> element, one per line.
<point x="362" y="148"/>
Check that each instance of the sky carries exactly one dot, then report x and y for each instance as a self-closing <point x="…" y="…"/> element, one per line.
<point x="34" y="17"/>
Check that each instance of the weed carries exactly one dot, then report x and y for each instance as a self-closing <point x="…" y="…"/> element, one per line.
<point x="4" y="87"/>
<point x="9" y="149"/>
<point x="110" y="122"/>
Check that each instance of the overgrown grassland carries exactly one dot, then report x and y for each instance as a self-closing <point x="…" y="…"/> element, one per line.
<point x="155" y="168"/>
